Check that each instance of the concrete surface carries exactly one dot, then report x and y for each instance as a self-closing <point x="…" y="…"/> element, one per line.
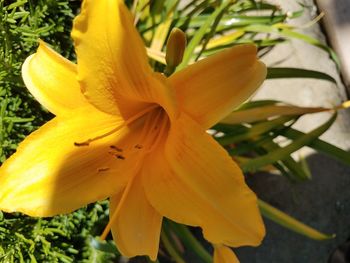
<point x="337" y="24"/>
<point x="324" y="202"/>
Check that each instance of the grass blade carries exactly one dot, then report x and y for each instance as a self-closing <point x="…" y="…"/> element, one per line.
<point x="287" y="221"/>
<point x="284" y="152"/>
<point x="319" y="145"/>
<point x="284" y="32"/>
<point x="254" y="131"/>
<point x="197" y="38"/>
<point x="292" y="169"/>
<point x="277" y="73"/>
<point x="266" y="112"/>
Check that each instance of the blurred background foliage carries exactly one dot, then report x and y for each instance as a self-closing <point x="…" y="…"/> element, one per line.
<point x="210" y="26"/>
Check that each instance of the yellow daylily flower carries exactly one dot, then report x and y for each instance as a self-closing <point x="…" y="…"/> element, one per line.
<point x="124" y="132"/>
<point x="224" y="254"/>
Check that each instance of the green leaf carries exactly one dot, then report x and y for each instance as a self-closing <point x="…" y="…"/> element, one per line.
<point x="16" y="4"/>
<point x="199" y="35"/>
<point x="290" y="223"/>
<point x="254" y="131"/>
<point x="292" y="169"/>
<point x="233" y="21"/>
<point x="103" y="246"/>
<point x="277" y="73"/>
<point x="319" y="145"/>
<point x="165" y="237"/>
<point x="292" y="34"/>
<point x="190" y="241"/>
<point x="265" y="112"/>
<point x="284" y="152"/>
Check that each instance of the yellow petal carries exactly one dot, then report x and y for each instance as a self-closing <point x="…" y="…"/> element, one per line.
<point x="112" y="62"/>
<point x="136" y="227"/>
<point x="193" y="181"/>
<point x="211" y="88"/>
<point x="224" y="254"/>
<point x="49" y="174"/>
<point x="52" y="81"/>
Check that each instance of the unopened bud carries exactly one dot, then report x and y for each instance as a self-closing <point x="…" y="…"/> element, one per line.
<point x="175" y="48"/>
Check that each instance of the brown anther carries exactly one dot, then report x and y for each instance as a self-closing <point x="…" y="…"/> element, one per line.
<point x="138" y="146"/>
<point x="79" y="144"/>
<point x="120" y="157"/>
<point x="116" y="148"/>
<point x="103" y="169"/>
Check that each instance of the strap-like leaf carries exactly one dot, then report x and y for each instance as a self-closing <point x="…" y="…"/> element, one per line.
<point x="287" y="221"/>
<point x="284" y="152"/>
<point x="319" y="145"/>
<point x="277" y="73"/>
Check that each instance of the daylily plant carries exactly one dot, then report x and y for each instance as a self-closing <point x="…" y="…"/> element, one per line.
<point x="132" y="135"/>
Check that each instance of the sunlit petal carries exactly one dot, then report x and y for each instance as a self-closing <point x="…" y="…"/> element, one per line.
<point x="211" y="88"/>
<point x="49" y="174"/>
<point x="112" y="63"/>
<point x="223" y="254"/>
<point x="136" y="227"/>
<point x="52" y="80"/>
<point x="195" y="182"/>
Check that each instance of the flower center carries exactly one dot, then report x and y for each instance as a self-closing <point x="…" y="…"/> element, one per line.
<point x="155" y="125"/>
<point x="155" y="128"/>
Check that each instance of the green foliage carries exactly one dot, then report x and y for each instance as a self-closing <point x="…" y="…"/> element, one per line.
<point x="22" y="23"/>
<point x="63" y="238"/>
<point x="71" y="238"/>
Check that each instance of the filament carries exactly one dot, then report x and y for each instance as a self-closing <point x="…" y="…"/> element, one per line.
<point x="116" y="212"/>
<point x="162" y="131"/>
<point x="154" y="128"/>
<point x="128" y="121"/>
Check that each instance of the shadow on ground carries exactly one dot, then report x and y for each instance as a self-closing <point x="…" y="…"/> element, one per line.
<point x="323" y="203"/>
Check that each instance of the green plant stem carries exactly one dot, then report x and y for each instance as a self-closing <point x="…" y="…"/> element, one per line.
<point x="170" y="248"/>
<point x="191" y="242"/>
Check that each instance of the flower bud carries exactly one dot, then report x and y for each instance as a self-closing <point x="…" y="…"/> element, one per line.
<point x="175" y="48"/>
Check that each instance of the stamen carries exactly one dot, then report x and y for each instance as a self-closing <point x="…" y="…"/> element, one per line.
<point x="133" y="118"/>
<point x="164" y="125"/>
<point x="150" y="122"/>
<point x="103" y="169"/>
<point x="138" y="146"/>
<point x="116" y="148"/>
<point x="116" y="212"/>
<point x="120" y="157"/>
<point x="153" y="120"/>
<point x="145" y="127"/>
<point x="81" y="144"/>
<point x="150" y="129"/>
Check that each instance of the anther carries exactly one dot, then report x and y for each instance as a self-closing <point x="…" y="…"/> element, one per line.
<point x="116" y="148"/>
<point x="79" y="144"/>
<point x="103" y="169"/>
<point x="120" y="157"/>
<point x="138" y="146"/>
